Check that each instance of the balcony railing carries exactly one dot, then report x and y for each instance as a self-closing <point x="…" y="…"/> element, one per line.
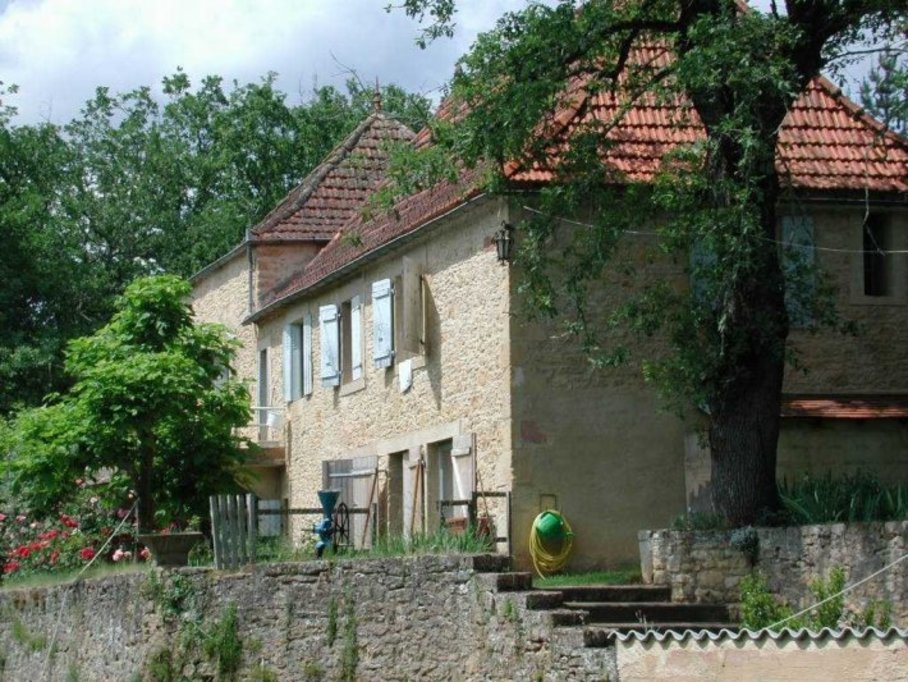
<point x="269" y="424"/>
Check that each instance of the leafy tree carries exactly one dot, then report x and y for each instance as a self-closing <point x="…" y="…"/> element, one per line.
<point x="133" y="187"/>
<point x="740" y="70"/>
<point x="884" y="93"/>
<point x="148" y="404"/>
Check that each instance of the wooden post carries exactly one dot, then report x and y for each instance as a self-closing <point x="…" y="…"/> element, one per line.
<point x="242" y="549"/>
<point x="252" y="526"/>
<point x="215" y="531"/>
<point x="369" y="507"/>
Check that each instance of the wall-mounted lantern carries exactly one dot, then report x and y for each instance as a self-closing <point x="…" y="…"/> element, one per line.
<point x="504" y="242"/>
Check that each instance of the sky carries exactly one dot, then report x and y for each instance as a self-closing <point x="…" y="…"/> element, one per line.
<point x="58" y="51"/>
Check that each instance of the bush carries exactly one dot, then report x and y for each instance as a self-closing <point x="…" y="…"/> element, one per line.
<point x="858" y="497"/>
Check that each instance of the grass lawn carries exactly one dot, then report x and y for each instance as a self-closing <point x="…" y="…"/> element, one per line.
<point x="626" y="576"/>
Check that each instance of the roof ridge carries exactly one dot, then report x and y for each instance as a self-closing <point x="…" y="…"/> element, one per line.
<point x="297" y="197"/>
<point x="856" y="110"/>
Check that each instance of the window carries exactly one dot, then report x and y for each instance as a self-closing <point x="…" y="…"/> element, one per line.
<point x="798" y="256"/>
<point x="878" y="276"/>
<point x="352" y="340"/>
<point x="398" y="316"/>
<point x="297" y="348"/>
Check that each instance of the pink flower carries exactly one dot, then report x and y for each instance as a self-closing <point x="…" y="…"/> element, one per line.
<point x="22" y="552"/>
<point x="120" y="555"/>
<point x="54" y="556"/>
<point x="49" y="534"/>
<point x="87" y="553"/>
<point x="10" y="566"/>
<point x="2" y="518"/>
<point x="144" y="554"/>
<point x="68" y="521"/>
<point x="21" y="518"/>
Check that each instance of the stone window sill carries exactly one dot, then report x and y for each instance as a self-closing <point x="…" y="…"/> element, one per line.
<point x="353" y="386"/>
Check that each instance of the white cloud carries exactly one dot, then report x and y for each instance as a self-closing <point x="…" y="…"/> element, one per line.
<point x="57" y="51"/>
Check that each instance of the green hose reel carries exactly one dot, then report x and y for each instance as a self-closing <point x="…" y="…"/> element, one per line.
<point x="550" y="526"/>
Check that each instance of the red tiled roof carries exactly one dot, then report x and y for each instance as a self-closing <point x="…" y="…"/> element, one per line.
<point x="846" y="407"/>
<point x="332" y="193"/>
<point x="825" y="142"/>
<point x="361" y="236"/>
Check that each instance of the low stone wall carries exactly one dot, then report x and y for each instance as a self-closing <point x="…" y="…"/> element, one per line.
<point x="703" y="566"/>
<point x="416" y="618"/>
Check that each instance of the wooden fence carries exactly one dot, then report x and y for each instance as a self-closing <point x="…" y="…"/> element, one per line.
<point x="233" y="529"/>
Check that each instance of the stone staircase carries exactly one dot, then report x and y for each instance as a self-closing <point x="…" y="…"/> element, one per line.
<point x="600" y="610"/>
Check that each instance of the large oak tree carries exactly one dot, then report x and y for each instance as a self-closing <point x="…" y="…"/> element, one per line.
<point x="740" y="69"/>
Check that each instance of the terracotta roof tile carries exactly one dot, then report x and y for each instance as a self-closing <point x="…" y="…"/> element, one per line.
<point x="846" y="407"/>
<point x="332" y="193"/>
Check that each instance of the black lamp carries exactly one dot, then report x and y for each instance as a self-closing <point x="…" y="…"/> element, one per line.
<point x="504" y="240"/>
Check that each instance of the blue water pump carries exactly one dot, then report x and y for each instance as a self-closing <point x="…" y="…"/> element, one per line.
<point x="333" y="528"/>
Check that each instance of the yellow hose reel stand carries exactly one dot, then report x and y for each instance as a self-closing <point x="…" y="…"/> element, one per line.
<point x="551" y="540"/>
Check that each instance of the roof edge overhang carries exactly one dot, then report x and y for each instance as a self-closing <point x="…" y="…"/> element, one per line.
<point x="369" y="256"/>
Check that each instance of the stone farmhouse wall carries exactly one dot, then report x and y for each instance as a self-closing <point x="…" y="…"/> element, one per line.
<point x="424" y="618"/>
<point x="460" y="384"/>
<point x="704" y="567"/>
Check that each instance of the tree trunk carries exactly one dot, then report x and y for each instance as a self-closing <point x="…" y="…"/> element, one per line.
<point x="144" y="491"/>
<point x="746" y="415"/>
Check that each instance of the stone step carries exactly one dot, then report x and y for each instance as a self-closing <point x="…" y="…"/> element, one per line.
<point x="650" y="612"/>
<point x="541" y="600"/>
<point x="514" y="582"/>
<point x="568" y="617"/>
<point x="491" y="563"/>
<point x="614" y="593"/>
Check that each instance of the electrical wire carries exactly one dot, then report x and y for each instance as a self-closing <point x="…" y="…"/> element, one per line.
<point x="547" y="561"/>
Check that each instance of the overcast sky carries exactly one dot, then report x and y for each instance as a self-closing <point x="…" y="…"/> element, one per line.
<point x="58" y="51"/>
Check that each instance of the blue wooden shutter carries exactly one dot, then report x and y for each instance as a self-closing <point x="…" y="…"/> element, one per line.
<point x="307" y="354"/>
<point x="382" y="323"/>
<point x="329" y="340"/>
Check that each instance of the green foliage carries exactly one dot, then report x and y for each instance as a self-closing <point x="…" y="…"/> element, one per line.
<point x="759" y="607"/>
<point x="25" y="637"/>
<point x="350" y="651"/>
<point x="884" y="93"/>
<point x="173" y="593"/>
<point x="877" y="613"/>
<point x="441" y="541"/>
<point x="331" y="632"/>
<point x="136" y="186"/>
<point x="222" y="643"/>
<point x="828" y="615"/>
<point x="746" y="541"/>
<point x="160" y="666"/>
<point x="850" y="498"/>
<point x="313" y="672"/>
<point x="723" y="338"/>
<point x="694" y="520"/>
<point x="146" y="404"/>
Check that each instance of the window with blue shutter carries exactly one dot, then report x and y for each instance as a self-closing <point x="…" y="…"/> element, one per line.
<point x="329" y="340"/>
<point x="382" y="323"/>
<point x="307" y="354"/>
<point x="356" y="338"/>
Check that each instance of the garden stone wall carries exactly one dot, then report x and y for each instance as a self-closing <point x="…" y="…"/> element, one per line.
<point x="705" y="567"/>
<point x="417" y="618"/>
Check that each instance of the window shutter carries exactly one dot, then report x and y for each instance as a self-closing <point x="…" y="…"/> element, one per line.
<point x="411" y="341"/>
<point x="330" y="344"/>
<point x="798" y="255"/>
<point x="307" y="354"/>
<point x="356" y="338"/>
<point x="382" y="323"/>
<point x="287" y="352"/>
<point x="296" y="352"/>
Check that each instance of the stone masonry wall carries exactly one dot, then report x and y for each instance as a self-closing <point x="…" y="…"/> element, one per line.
<point x="417" y="618"/>
<point x="703" y="566"/>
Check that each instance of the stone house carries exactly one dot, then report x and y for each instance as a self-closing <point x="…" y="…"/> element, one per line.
<point x="386" y="357"/>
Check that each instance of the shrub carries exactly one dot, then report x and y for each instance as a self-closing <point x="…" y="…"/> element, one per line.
<point x="858" y="497"/>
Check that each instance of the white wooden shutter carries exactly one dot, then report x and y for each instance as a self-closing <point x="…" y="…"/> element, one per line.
<point x="798" y="254"/>
<point x="307" y="354"/>
<point x="356" y="338"/>
<point x="462" y="467"/>
<point x="296" y="353"/>
<point x="382" y="323"/>
<point x="287" y="353"/>
<point x="330" y="344"/>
